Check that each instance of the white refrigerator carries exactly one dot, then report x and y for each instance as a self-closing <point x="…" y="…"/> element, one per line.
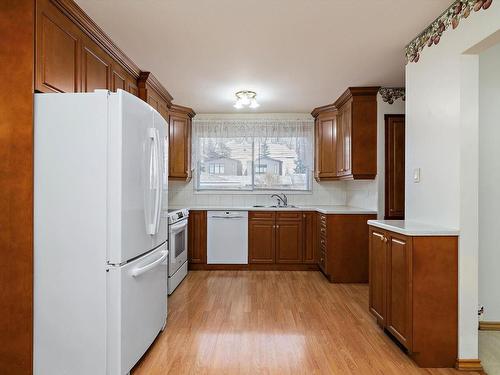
<point x="100" y="232"/>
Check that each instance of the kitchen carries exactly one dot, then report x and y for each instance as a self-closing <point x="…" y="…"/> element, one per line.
<point x="243" y="221"/>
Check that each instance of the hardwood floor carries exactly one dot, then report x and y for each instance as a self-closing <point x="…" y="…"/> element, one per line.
<point x="272" y="322"/>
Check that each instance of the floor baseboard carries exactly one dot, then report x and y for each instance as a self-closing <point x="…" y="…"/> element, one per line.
<point x="469" y="365"/>
<point x="489" y="326"/>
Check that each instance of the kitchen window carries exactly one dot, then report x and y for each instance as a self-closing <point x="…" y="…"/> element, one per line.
<point x="253" y="155"/>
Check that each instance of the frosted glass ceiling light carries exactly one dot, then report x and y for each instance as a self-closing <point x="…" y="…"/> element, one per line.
<point x="246" y="99"/>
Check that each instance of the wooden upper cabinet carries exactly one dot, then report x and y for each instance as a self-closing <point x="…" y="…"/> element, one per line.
<point x="326" y="139"/>
<point x="57" y="50"/>
<point x="344" y="141"/>
<point x="96" y="68"/>
<point x="153" y="93"/>
<point x="74" y="55"/>
<point x="180" y="142"/>
<point x="346" y="148"/>
<point x="118" y="81"/>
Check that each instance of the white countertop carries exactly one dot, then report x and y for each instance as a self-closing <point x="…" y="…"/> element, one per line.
<point x="413" y="228"/>
<point x="346" y="210"/>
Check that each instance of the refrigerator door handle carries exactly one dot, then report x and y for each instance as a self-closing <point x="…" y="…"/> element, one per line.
<point x="159" y="189"/>
<point x="136" y="272"/>
<point x="153" y="179"/>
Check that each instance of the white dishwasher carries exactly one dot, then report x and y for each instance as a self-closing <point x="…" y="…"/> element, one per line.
<point x="227" y="237"/>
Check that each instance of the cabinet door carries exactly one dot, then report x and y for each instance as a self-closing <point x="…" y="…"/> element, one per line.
<point x="346" y="136"/>
<point x="310" y="247"/>
<point x="261" y="241"/>
<point x="197" y="237"/>
<point x="118" y="81"/>
<point x="326" y="128"/>
<point x="377" y="274"/>
<point x="179" y="147"/>
<point x="96" y="68"/>
<point x="132" y="87"/>
<point x="57" y="51"/>
<point x="339" y="148"/>
<point x="344" y="130"/>
<point x="289" y="246"/>
<point x="399" y="293"/>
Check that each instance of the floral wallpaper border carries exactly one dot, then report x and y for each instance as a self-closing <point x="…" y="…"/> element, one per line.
<point x="460" y="9"/>
<point x="391" y="94"/>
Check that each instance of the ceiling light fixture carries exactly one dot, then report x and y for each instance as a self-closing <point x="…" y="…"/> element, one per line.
<point x="246" y="99"/>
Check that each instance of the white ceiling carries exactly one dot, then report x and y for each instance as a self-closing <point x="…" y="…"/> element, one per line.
<point x="296" y="54"/>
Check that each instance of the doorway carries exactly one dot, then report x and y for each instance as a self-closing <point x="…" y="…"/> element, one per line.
<point x="394" y="167"/>
<point x="489" y="204"/>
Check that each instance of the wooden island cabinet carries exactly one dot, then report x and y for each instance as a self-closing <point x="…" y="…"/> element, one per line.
<point x="346" y="136"/>
<point x="413" y="293"/>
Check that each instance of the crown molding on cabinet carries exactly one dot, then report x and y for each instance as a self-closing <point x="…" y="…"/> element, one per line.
<point x="183" y="110"/>
<point x="150" y="79"/>
<point x="77" y="15"/>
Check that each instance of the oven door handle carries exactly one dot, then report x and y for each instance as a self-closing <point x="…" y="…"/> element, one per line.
<point x="176" y="227"/>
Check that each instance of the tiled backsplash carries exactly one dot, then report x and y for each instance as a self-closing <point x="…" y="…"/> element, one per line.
<point x="354" y="193"/>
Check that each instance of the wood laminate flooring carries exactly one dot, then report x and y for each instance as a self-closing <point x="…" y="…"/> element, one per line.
<point x="273" y="322"/>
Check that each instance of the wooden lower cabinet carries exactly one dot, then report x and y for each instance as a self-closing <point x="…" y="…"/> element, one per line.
<point x="414" y="293"/>
<point x="261" y="240"/>
<point x="279" y="238"/>
<point x="310" y="237"/>
<point x="343" y="245"/>
<point x="377" y="277"/>
<point x="289" y="237"/>
<point x="197" y="237"/>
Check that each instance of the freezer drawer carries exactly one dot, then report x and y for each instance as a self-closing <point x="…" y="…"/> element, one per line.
<point x="137" y="308"/>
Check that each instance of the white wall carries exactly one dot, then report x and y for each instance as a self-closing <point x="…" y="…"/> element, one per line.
<point x="371" y="193"/>
<point x="489" y="182"/>
<point x="441" y="134"/>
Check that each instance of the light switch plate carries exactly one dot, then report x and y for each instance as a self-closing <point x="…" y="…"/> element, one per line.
<point x="416" y="175"/>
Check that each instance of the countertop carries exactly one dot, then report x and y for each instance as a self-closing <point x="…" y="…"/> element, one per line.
<point x="346" y="210"/>
<point x="413" y="228"/>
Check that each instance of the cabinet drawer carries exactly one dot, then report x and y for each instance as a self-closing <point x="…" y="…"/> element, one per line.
<point x="295" y="215"/>
<point x="269" y="215"/>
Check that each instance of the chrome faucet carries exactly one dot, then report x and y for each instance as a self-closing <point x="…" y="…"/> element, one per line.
<point x="281" y="199"/>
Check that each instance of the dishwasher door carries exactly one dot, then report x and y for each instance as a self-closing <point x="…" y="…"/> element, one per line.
<point x="227" y="237"/>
